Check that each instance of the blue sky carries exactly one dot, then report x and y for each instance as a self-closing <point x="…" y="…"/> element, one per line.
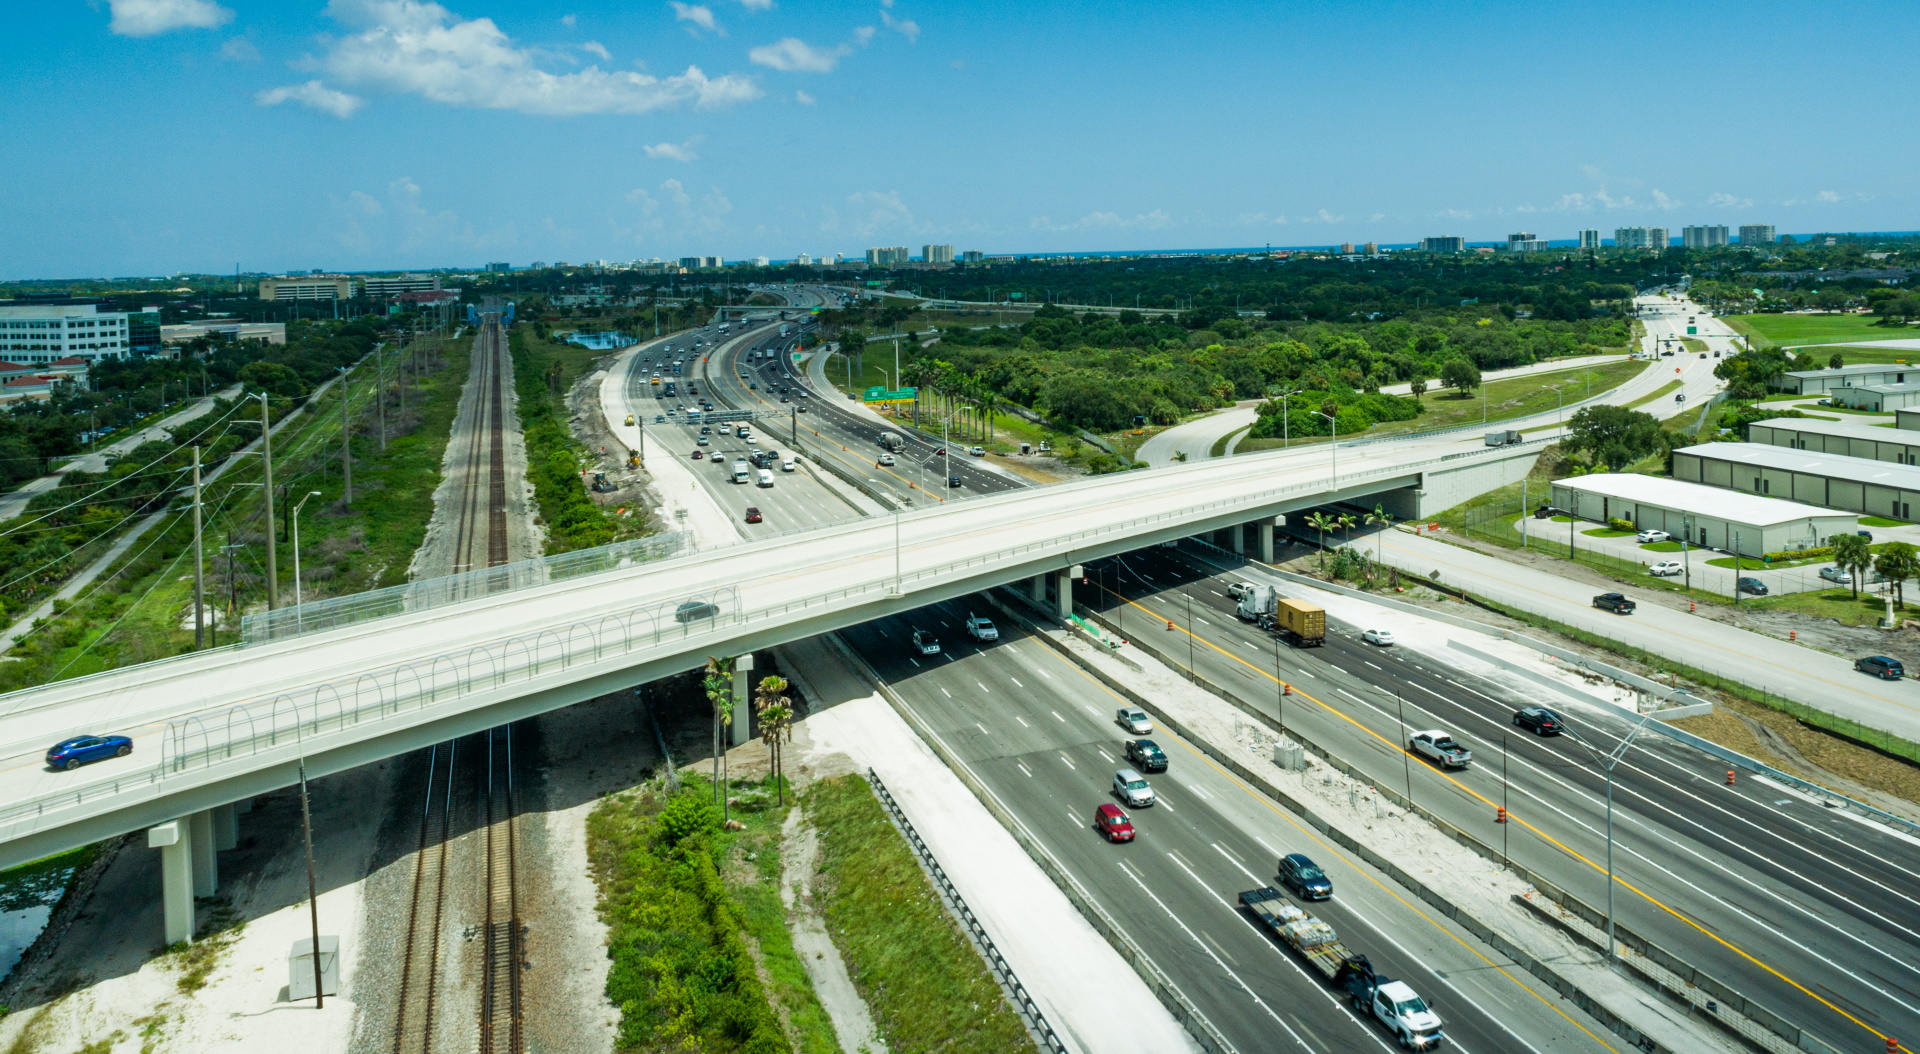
<point x="153" y="136"/>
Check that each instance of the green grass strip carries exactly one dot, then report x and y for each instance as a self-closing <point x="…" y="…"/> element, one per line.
<point x="1655" y="394"/>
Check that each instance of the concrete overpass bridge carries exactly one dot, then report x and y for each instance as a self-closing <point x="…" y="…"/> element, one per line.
<point x="218" y="727"/>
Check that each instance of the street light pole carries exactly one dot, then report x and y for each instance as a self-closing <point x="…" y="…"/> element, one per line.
<point x="266" y="459"/>
<point x="1286" y="439"/>
<point x="296" y="553"/>
<point x="1333" y="445"/>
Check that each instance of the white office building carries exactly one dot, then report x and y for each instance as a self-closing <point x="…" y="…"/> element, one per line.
<point x="1703" y="237"/>
<point x="1640" y="238"/>
<point x="1448" y="244"/>
<point x="1526" y="242"/>
<point x="972" y="256"/>
<point x="1703" y="513"/>
<point x="888" y="255"/>
<point x="36" y="334"/>
<point x="388" y="286"/>
<point x="937" y="254"/>
<point x="1589" y="239"/>
<point x="1756" y="234"/>
<point x="307" y="287"/>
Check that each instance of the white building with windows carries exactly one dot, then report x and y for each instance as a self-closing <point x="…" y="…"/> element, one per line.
<point x="307" y="287"/>
<point x="1757" y="234"/>
<point x="388" y="286"/>
<point x="1703" y="237"/>
<point x="937" y="254"/>
<point x="37" y="334"/>
<point x="1640" y="238"/>
<point x="1590" y="239"/>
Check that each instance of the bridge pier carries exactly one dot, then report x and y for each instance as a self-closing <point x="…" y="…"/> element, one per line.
<point x="1037" y="589"/>
<point x="206" y="868"/>
<point x="1063" y="590"/>
<point x="742" y="699"/>
<point x="174" y="839"/>
<point x="1265" y="529"/>
<point x="226" y="826"/>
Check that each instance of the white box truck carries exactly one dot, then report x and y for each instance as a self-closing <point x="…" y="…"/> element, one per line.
<point x="740" y="472"/>
<point x="764" y="478"/>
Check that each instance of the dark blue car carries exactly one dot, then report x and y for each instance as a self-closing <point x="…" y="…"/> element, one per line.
<point x="1304" y="877"/>
<point x="84" y="750"/>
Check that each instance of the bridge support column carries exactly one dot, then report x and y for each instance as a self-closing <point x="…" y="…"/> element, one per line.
<point x="1037" y="589"/>
<point x="1239" y="531"/>
<point x="206" y="868"/>
<point x="174" y="839"/>
<point x="742" y="699"/>
<point x="226" y="827"/>
<point x="1265" y="527"/>
<point x="1063" y="591"/>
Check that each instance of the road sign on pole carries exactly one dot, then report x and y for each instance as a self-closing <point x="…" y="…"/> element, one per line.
<point x="882" y="394"/>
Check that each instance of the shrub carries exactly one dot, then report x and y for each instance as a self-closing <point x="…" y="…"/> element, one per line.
<point x="1619" y="524"/>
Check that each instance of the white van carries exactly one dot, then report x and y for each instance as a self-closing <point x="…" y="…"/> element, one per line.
<point x="787" y="465"/>
<point x="765" y="478"/>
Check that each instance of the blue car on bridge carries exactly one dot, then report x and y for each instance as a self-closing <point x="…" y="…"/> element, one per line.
<point x="84" y="750"/>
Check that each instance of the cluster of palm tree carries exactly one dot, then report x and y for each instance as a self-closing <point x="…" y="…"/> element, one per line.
<point x="948" y="390"/>
<point x="1347" y="558"/>
<point x="1896" y="562"/>
<point x="775" y="710"/>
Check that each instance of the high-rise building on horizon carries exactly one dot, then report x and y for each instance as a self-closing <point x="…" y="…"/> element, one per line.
<point x="1346" y="248"/>
<point x="972" y="256"/>
<point x="1371" y="248"/>
<point x="1757" y="234"/>
<point x="384" y="287"/>
<point x="1525" y="242"/>
<point x="1640" y="238"/>
<point x="307" y="287"/>
<point x="1703" y="237"/>
<point x="1589" y="239"/>
<point x="937" y="254"/>
<point x="1449" y="244"/>
<point x="499" y="268"/>
<point x="803" y="260"/>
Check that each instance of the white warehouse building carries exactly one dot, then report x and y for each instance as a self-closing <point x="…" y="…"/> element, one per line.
<point x="1705" y="516"/>
<point x="35" y="334"/>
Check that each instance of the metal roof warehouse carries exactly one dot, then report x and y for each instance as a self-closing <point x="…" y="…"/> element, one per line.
<point x="1869" y="442"/>
<point x="1704" y="515"/>
<point x="1873" y="488"/>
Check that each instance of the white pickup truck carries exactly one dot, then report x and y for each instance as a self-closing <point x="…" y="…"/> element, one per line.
<point x="1440" y="748"/>
<point x="982" y="629"/>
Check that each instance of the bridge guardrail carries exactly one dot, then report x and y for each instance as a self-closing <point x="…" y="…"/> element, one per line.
<point x="315" y="710"/>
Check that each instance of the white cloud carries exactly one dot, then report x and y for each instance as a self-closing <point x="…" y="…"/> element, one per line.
<point x="698" y="14"/>
<point x="400" y="223"/>
<point x="1829" y="196"/>
<point x="1661" y="201"/>
<point x="594" y="47"/>
<point x="1094" y="221"/>
<point x="794" y="55"/>
<point x="568" y="20"/>
<point x="314" y="94"/>
<point x="1729" y="201"/>
<point x="1322" y="216"/>
<point x="240" y="49"/>
<point x="1376" y="217"/>
<point x="906" y="27"/>
<point x="674" y="151"/>
<point x="757" y="5"/>
<point x="420" y="48"/>
<point x="145" y="18"/>
<point x="804" y="99"/>
<point x="863" y="34"/>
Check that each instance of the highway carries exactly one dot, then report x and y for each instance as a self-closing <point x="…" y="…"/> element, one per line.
<point x="1041" y="734"/>
<point x="1811" y="913"/>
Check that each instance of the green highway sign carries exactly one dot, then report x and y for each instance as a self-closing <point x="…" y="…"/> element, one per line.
<point x="877" y="394"/>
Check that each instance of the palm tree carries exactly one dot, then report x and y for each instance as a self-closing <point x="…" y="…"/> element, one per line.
<point x="1383" y="518"/>
<point x="1852" y="553"/>
<point x="1322" y="523"/>
<point x="776" y="723"/>
<point x="718" y="685"/>
<point x="1419" y="388"/>
<point x="1347" y="520"/>
<point x="1898" y="561"/>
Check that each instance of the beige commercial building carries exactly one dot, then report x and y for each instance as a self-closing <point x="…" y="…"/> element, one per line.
<point x="1703" y="515"/>
<point x="307" y="287"/>
<point x="1833" y="481"/>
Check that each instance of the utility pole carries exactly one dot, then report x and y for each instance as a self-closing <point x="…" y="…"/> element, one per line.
<point x="199" y="563"/>
<point x="346" y="446"/>
<point x="273" y="546"/>
<point x="380" y="393"/>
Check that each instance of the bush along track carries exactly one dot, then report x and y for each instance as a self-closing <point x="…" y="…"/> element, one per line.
<point x="555" y="458"/>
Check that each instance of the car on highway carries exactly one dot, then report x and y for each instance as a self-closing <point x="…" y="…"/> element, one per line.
<point x="703" y="441"/>
<point x="802" y="408"/>
<point x="1880" y="666"/>
<point x="1146" y="755"/>
<point x="1666" y="568"/>
<point x="1837" y="574"/>
<point x="977" y="451"/>
<point x="785" y="399"/>
<point x="1304" y="878"/>
<point x="1131" y="787"/>
<point x="1113" y="823"/>
<point x="699" y="455"/>
<point x="886" y="459"/>
<point x="1615" y="603"/>
<point x="1134" y="720"/>
<point x="76" y="751"/>
<point x="981" y="628"/>
<point x="659" y="418"/>
<point x="1440" y="748"/>
<point x="753" y="514"/>
<point x="1539" y="720"/>
<point x="706" y="430"/>
<point x="1750" y="585"/>
<point x="695" y="609"/>
<point x="925" y="643"/>
<point x="953" y="481"/>
<point x="1653" y="536"/>
<point x="1382" y="637"/>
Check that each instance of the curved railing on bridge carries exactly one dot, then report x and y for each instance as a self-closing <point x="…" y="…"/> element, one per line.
<point x="330" y="707"/>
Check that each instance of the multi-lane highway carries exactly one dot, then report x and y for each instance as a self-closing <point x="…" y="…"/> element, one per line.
<point x="1040" y="733"/>
<point x="1812" y="913"/>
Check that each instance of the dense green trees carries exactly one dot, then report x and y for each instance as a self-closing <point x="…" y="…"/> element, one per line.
<point x="1614" y="435"/>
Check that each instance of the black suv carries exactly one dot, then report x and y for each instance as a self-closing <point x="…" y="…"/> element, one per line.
<point x="1304" y="878"/>
<point x="1751" y="585"/>
<point x="1880" y="666"/>
<point x="1615" y="603"/>
<point x="1539" y="720"/>
<point x="1146" y="755"/>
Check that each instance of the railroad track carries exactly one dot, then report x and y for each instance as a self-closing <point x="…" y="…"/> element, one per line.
<point x="420" y="958"/>
<point x="480" y="530"/>
<point x="500" y="1007"/>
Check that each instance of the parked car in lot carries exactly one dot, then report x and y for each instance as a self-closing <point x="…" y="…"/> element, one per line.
<point x="1113" y="823"/>
<point x="1440" y="748"/>
<point x="1134" y="720"/>
<point x="1539" y="720"/>
<point x="1880" y="666"/>
<point x="1751" y="585"/>
<point x="1615" y="603"/>
<point x="1666" y="568"/>
<point x="1131" y="787"/>
<point x="1382" y="637"/>
<point x="1653" y="536"/>
<point x="1304" y="878"/>
<point x="85" y="750"/>
<point x="1837" y="574"/>
<point x="1146" y="755"/>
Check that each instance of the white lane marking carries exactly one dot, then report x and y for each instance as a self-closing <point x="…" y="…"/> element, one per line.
<point x="1257" y="880"/>
<point x="1023" y="723"/>
<point x="1016" y="682"/>
<point x="983" y="687"/>
<point x="1375" y="667"/>
<point x="1090" y="710"/>
<point x="1306" y="672"/>
<point x="1264" y="845"/>
<point x="1069" y="762"/>
<point x="1057" y="717"/>
<point x="1023" y="768"/>
<point x="1351" y="696"/>
<point x="1048" y="676"/>
<point x="982" y="728"/>
<point x="1161" y="802"/>
<point x="1109" y="758"/>
<point x="913" y="660"/>
<point x="1201" y="621"/>
<point x="946" y="693"/>
<point x="1197" y="790"/>
<point x="1297" y="1038"/>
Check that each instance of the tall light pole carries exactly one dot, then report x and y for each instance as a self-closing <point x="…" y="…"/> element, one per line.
<point x="1333" y="445"/>
<point x="1607" y="761"/>
<point x="1286" y="436"/>
<point x="295" y="517"/>
<point x="1562" y="409"/>
<point x="266" y="460"/>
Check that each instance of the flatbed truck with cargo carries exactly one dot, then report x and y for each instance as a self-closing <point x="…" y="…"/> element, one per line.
<point x="1312" y="939"/>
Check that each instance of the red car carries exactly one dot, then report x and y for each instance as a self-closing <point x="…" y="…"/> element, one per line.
<point x="753" y="514"/>
<point x="1112" y="823"/>
<point x="699" y="455"/>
